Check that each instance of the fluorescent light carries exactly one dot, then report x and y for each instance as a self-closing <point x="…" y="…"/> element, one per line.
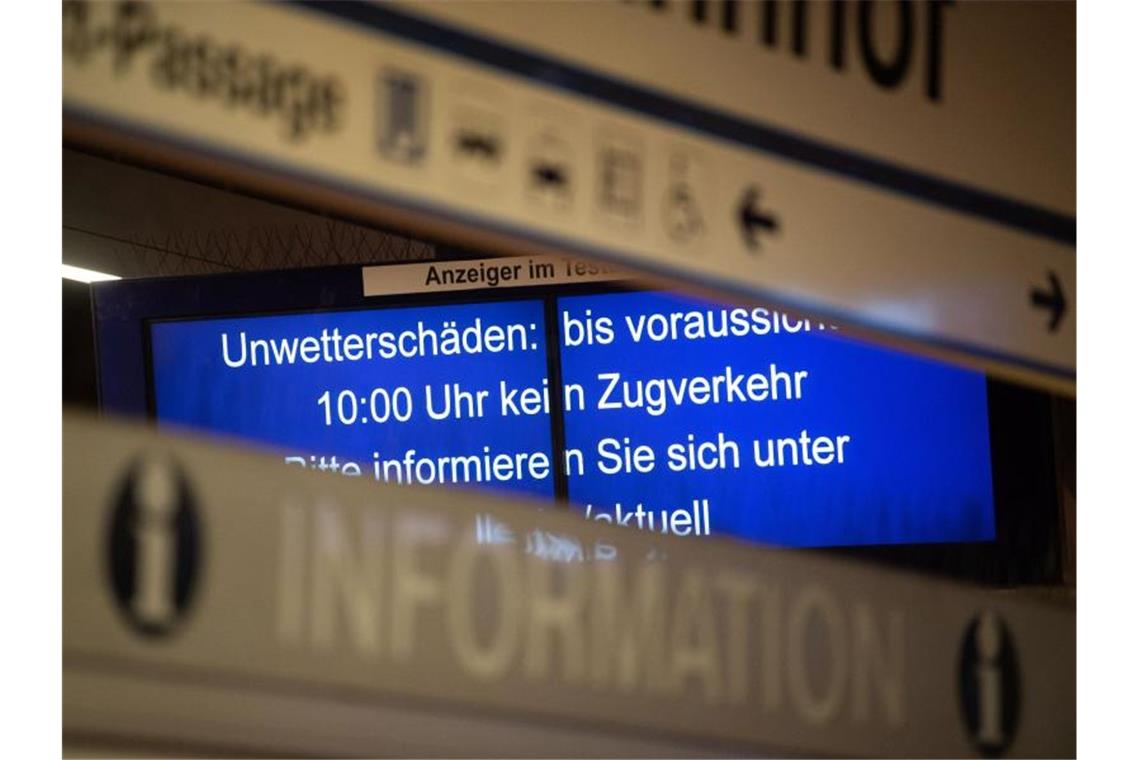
<point x="86" y="275"/>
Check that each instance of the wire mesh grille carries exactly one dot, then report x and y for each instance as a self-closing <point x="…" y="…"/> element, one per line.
<point x="191" y="252"/>
<point x="135" y="222"/>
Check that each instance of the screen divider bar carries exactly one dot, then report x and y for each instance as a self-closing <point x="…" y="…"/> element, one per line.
<point x="557" y="421"/>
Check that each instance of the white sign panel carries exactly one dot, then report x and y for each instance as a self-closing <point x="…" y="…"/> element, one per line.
<point x="407" y="114"/>
<point x="194" y="566"/>
<point x="975" y="96"/>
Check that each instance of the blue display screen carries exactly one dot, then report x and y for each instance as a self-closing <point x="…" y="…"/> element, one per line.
<point x="404" y="395"/>
<point x="744" y="422"/>
<point x="674" y="415"/>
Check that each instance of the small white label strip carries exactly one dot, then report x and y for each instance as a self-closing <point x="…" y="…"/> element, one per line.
<point x="492" y="273"/>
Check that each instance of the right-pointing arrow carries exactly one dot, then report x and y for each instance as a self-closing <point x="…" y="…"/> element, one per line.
<point x="1053" y="300"/>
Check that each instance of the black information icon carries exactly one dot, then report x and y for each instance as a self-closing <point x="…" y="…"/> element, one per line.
<point x="989" y="684"/>
<point x="477" y="145"/>
<point x="154" y="546"/>
<point x="684" y="221"/>
<point x="478" y="141"/>
<point x="548" y="179"/>
<point x="401" y="116"/>
<point x="549" y="175"/>
<point x="620" y="179"/>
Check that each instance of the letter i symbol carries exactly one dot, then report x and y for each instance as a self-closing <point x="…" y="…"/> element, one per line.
<point x="157" y="499"/>
<point x="990" y="684"/>
<point x="988" y="674"/>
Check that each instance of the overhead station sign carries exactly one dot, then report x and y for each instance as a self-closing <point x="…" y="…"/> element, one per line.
<point x="196" y="574"/>
<point x="906" y="169"/>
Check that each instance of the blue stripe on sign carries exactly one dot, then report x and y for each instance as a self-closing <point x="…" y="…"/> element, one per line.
<point x="754" y="135"/>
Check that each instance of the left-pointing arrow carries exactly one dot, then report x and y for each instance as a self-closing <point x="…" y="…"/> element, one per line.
<point x="1053" y="300"/>
<point x="753" y="220"/>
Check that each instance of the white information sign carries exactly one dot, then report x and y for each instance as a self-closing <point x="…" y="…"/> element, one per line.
<point x="192" y="570"/>
<point x="934" y="207"/>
